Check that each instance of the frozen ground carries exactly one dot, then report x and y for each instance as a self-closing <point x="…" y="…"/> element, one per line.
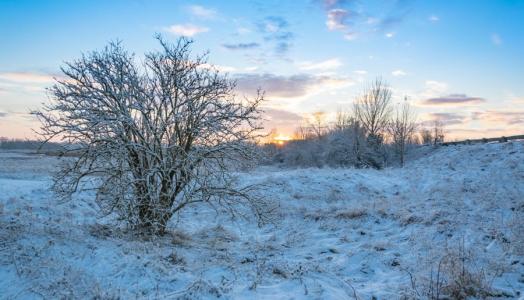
<point x="338" y="234"/>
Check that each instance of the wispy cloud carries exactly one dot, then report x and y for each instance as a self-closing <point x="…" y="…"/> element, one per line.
<point x="496" y="39"/>
<point x="295" y="86"/>
<point x="188" y="30"/>
<point x="219" y="68"/>
<point x="276" y="31"/>
<point x="432" y="89"/>
<point x="399" y="73"/>
<point x="500" y="116"/>
<point x="241" y="46"/>
<point x="337" y="19"/>
<point x="454" y="100"/>
<point x="26" y="82"/>
<point x="329" y="64"/>
<point x="202" y="12"/>
<point x="355" y="18"/>
<point x="243" y="30"/>
<point x="280" y="119"/>
<point x="433" y="18"/>
<point x="517" y="100"/>
<point x="26" y="77"/>
<point x="446" y="119"/>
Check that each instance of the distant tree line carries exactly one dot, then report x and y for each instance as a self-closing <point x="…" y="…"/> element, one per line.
<point x="25" y="144"/>
<point x="375" y="133"/>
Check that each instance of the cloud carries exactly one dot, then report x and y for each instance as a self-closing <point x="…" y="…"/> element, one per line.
<point x="241" y="46"/>
<point x="202" y="12"/>
<point x="295" y="86"/>
<point x="507" y="117"/>
<point x="278" y="118"/>
<point x="435" y="87"/>
<point x="329" y="64"/>
<point x="398" y="73"/>
<point x="433" y="18"/>
<point x="26" y="77"/>
<point x="356" y="18"/>
<point x="332" y="3"/>
<point x="188" y="30"/>
<point x="276" y="31"/>
<point x="432" y="89"/>
<point x="454" y="99"/>
<point x="217" y="67"/>
<point x="360" y="72"/>
<point x="445" y="118"/>
<point x="517" y="100"/>
<point x="243" y="30"/>
<point x="390" y="34"/>
<point x="283" y="121"/>
<point x="337" y="19"/>
<point x="496" y="39"/>
<point x="3" y="114"/>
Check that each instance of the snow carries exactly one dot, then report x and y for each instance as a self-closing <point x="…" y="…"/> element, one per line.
<point x="337" y="233"/>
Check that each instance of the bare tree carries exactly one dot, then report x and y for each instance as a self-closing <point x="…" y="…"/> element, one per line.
<point x="150" y="138"/>
<point x="343" y="120"/>
<point x="438" y="132"/>
<point x="373" y="108"/>
<point x="426" y="137"/>
<point x="302" y="133"/>
<point x="317" y="124"/>
<point x="401" y="129"/>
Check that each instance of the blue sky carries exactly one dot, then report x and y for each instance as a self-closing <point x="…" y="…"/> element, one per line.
<point x="457" y="61"/>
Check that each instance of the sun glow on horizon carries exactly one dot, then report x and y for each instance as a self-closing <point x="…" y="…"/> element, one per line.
<point x="281" y="139"/>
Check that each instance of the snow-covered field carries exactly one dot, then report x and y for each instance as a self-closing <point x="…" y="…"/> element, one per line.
<point x="337" y="234"/>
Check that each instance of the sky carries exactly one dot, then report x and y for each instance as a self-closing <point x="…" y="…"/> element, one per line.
<point x="459" y="62"/>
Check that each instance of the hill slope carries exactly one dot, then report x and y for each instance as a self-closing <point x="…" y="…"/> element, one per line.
<point x="337" y="234"/>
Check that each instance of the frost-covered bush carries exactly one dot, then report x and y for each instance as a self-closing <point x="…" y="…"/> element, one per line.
<point x="346" y="146"/>
<point x="151" y="137"/>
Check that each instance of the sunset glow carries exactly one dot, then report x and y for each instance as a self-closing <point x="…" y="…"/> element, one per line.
<point x="459" y="62"/>
<point x="281" y="139"/>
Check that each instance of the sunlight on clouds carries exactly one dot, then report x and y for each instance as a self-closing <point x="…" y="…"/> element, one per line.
<point x="506" y="117"/>
<point x="398" y="73"/>
<point x="454" y="100"/>
<point x="336" y="19"/>
<point x="434" y="88"/>
<point x="329" y="64"/>
<point x="298" y="86"/>
<point x="28" y="77"/>
<point x="188" y="30"/>
<point x="224" y="69"/>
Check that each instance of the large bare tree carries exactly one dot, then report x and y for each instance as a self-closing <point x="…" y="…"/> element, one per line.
<point x="151" y="137"/>
<point x="402" y="128"/>
<point x="373" y="108"/>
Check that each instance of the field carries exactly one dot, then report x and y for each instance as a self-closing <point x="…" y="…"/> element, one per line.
<point x="451" y="221"/>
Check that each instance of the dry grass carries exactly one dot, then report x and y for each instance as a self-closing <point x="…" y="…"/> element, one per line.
<point x="351" y="213"/>
<point x="455" y="276"/>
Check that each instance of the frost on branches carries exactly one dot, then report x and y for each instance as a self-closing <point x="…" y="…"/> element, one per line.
<point x="153" y="137"/>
